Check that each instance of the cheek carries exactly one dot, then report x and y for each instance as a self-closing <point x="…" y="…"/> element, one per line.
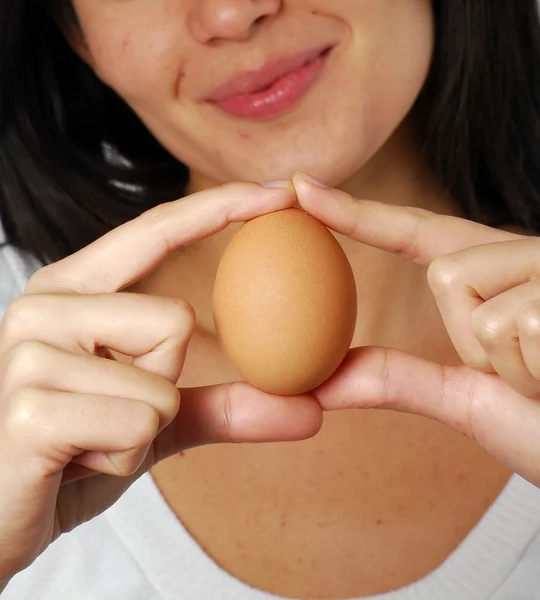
<point x="142" y="64"/>
<point x="396" y="66"/>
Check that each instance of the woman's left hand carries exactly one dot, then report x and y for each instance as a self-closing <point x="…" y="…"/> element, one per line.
<point x="486" y="283"/>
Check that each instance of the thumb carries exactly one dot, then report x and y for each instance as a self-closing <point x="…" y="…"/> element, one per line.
<point x="476" y="404"/>
<point x="237" y="412"/>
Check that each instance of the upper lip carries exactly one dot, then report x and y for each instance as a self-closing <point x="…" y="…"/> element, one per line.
<point x="249" y="82"/>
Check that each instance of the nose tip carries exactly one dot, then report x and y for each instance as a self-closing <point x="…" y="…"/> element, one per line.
<point x="234" y="20"/>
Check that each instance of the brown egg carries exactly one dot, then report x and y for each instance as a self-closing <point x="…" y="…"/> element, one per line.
<point x="285" y="302"/>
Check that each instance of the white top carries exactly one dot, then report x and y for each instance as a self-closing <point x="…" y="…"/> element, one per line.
<point x="139" y="550"/>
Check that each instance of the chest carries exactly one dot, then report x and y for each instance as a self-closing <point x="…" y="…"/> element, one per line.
<point x="375" y="501"/>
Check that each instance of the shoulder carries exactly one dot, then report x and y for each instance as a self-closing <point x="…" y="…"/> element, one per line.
<point x="16" y="267"/>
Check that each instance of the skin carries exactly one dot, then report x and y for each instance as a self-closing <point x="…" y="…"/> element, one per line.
<point x="164" y="59"/>
<point x="399" y="490"/>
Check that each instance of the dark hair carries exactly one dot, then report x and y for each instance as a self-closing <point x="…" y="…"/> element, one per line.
<point x="478" y="119"/>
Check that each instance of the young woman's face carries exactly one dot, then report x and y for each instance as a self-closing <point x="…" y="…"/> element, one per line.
<point x="257" y="89"/>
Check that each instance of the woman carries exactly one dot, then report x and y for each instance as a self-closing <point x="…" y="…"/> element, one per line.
<point x="111" y="108"/>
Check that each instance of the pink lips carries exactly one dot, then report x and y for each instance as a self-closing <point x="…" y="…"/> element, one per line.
<point x="272" y="90"/>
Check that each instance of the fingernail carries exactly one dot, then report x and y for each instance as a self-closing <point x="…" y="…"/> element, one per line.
<point x="277" y="183"/>
<point x="312" y="180"/>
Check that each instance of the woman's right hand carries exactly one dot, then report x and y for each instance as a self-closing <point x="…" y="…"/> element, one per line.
<point x="78" y="427"/>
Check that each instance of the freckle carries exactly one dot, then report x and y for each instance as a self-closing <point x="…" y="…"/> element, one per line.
<point x="300" y="561"/>
<point x="239" y="545"/>
<point x="283" y="523"/>
<point x="431" y="504"/>
<point x="182" y="454"/>
<point x="319" y="525"/>
<point x="379" y="521"/>
<point x="340" y="473"/>
<point x="321" y="453"/>
<point x="244" y="556"/>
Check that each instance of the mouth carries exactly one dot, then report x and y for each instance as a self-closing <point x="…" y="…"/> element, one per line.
<point x="272" y="90"/>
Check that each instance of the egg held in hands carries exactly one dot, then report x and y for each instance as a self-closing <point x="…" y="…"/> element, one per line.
<point x="285" y="302"/>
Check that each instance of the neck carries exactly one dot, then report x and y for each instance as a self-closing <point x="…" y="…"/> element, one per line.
<point x="364" y="467"/>
<point x="392" y="292"/>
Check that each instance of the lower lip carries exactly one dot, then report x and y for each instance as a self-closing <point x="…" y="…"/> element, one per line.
<point x="283" y="95"/>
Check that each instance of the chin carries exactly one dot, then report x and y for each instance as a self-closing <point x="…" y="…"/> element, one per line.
<point x="333" y="162"/>
<point x="333" y="149"/>
<point x="311" y="140"/>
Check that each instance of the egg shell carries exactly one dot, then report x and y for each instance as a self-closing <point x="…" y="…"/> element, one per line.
<point x="285" y="302"/>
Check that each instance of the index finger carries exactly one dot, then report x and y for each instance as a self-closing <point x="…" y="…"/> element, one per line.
<point x="414" y="233"/>
<point x="133" y="250"/>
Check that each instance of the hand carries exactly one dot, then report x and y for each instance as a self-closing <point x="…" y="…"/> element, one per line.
<point x="485" y="284"/>
<point x="71" y="416"/>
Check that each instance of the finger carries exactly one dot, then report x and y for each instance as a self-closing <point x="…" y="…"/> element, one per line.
<point x="134" y="249"/>
<point x="236" y="412"/>
<point x="476" y="404"/>
<point x="528" y="325"/>
<point x="37" y="365"/>
<point x="154" y="330"/>
<point x="491" y="269"/>
<point x="231" y="413"/>
<point x="412" y="232"/>
<point x="46" y="429"/>
<point x="461" y="282"/>
<point x="495" y="324"/>
<point x="121" y="463"/>
<point x="40" y="433"/>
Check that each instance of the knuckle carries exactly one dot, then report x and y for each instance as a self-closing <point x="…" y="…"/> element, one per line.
<point x="39" y="279"/>
<point x="479" y="415"/>
<point x="172" y="401"/>
<point x="157" y="212"/>
<point x="24" y="417"/>
<point x="471" y="413"/>
<point x="145" y="430"/>
<point x="489" y="324"/>
<point x="156" y="216"/>
<point x="167" y="400"/>
<point x="235" y="186"/>
<point x="128" y="462"/>
<point x="234" y="193"/>
<point x="26" y="359"/>
<point x="443" y="274"/>
<point x="154" y="219"/>
<point x="19" y="315"/>
<point x="180" y="318"/>
<point x="528" y="318"/>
